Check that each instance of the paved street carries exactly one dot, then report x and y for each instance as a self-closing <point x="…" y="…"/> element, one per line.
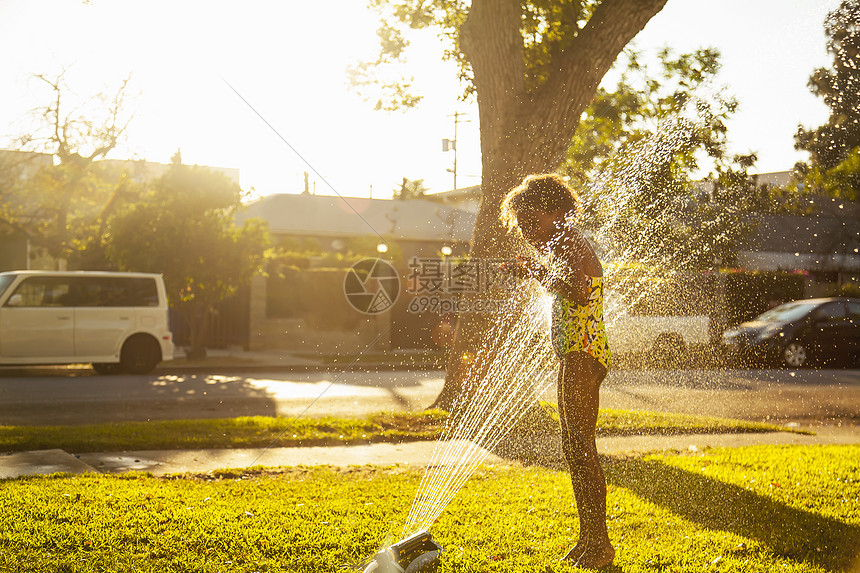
<point x="809" y="397"/>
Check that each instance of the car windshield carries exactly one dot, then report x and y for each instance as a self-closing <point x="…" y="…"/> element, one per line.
<point x="5" y="281"/>
<point x="787" y="312"/>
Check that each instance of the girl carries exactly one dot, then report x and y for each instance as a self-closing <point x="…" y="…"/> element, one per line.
<point x="542" y="208"/>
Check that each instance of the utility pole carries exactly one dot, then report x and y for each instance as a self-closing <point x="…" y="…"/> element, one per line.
<point x="456" y="117"/>
<point x="448" y="144"/>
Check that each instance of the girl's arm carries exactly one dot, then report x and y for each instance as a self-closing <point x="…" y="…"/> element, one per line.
<point x="568" y="280"/>
<point x="571" y="286"/>
<point x="572" y="253"/>
<point x="575" y="258"/>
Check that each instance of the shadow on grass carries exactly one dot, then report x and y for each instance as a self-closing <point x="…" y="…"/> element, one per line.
<point x="790" y="532"/>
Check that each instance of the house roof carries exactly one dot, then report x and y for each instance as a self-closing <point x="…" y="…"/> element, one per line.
<point x="472" y="192"/>
<point x="814" y="233"/>
<point x="325" y="215"/>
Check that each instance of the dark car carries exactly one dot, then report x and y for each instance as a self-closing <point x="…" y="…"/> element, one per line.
<point x="823" y="331"/>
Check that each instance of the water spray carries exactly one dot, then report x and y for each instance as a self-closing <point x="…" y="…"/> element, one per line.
<point x="417" y="553"/>
<point x="515" y="365"/>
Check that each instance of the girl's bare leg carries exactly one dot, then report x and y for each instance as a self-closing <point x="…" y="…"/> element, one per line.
<point x="579" y="548"/>
<point x="582" y="375"/>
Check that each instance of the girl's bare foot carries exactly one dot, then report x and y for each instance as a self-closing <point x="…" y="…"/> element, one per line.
<point x="576" y="553"/>
<point x="595" y="558"/>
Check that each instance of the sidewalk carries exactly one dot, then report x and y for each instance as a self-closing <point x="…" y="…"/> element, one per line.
<point x="161" y="462"/>
<point x="233" y="359"/>
<point x="238" y="359"/>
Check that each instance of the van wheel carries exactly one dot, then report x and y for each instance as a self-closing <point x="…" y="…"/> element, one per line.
<point x="105" y="368"/>
<point x="140" y="354"/>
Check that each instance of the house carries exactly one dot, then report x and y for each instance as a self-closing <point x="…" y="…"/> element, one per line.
<point x="467" y="198"/>
<point x="825" y="244"/>
<point x="420" y="227"/>
<point x="822" y="244"/>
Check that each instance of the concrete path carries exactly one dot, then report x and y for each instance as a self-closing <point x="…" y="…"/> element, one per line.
<point x="412" y="453"/>
<point x="41" y="462"/>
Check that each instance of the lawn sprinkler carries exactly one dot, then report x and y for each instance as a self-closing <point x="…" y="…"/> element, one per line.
<point x="417" y="553"/>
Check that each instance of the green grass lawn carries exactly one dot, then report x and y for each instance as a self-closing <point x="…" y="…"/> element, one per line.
<point x="761" y="508"/>
<point x="260" y="431"/>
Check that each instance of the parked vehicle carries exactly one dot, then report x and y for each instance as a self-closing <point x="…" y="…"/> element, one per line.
<point x="116" y="321"/>
<point x="815" y="331"/>
<point x="664" y="338"/>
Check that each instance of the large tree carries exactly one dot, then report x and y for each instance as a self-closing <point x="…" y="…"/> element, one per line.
<point x="834" y="146"/>
<point x="534" y="67"/>
<point x="55" y="193"/>
<point x="183" y="227"/>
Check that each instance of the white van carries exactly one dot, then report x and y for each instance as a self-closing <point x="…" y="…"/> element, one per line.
<point x="116" y="321"/>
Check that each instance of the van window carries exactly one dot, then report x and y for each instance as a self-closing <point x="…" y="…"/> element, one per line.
<point x="115" y="291"/>
<point x="143" y="292"/>
<point x="45" y="292"/>
<point x="5" y="281"/>
<point x="88" y="291"/>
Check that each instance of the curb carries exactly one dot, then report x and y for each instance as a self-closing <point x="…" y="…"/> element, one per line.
<point x="260" y="367"/>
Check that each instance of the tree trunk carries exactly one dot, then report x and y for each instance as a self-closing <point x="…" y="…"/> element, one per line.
<point x="197" y="317"/>
<point x="525" y="132"/>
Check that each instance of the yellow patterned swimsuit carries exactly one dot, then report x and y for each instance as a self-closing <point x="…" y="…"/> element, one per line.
<point x="578" y="328"/>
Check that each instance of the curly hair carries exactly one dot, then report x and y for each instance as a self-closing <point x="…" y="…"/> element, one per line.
<point x="538" y="193"/>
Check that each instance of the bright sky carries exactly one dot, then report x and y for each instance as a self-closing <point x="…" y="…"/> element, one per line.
<point x="288" y="60"/>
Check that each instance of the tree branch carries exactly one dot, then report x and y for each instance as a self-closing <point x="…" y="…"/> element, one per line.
<point x="576" y="71"/>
